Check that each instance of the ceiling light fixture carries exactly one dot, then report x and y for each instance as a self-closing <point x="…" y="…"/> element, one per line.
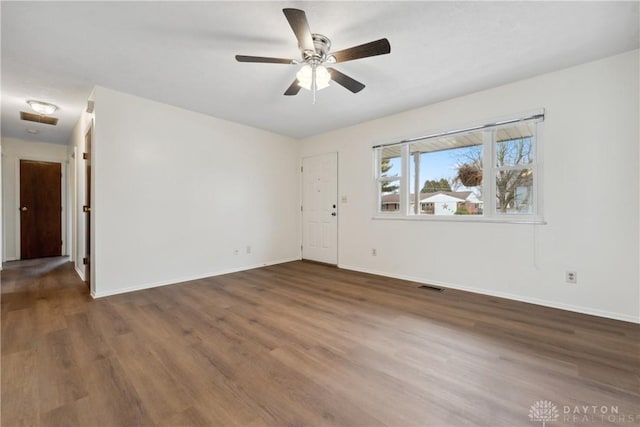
<point x="33" y="131"/>
<point x="305" y="77"/>
<point x="42" y="107"/>
<point x="313" y="77"/>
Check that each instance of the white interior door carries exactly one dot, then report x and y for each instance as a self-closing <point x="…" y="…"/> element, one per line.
<point x="320" y="208"/>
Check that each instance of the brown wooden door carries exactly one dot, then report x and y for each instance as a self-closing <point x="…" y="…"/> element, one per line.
<point x="40" y="209"/>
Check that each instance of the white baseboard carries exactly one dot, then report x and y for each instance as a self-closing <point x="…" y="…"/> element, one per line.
<point x="187" y="278"/>
<point x="537" y="301"/>
<point x="79" y="272"/>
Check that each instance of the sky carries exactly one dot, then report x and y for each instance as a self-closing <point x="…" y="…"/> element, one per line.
<point x="433" y="166"/>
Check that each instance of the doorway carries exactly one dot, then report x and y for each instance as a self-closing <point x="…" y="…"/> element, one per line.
<point x="40" y="209"/>
<point x="320" y="208"/>
<point x="86" y="208"/>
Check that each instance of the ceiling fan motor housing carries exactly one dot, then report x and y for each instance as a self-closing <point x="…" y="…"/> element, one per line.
<point x="322" y="45"/>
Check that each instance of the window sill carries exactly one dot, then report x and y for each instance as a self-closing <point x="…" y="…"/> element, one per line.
<point x="511" y="219"/>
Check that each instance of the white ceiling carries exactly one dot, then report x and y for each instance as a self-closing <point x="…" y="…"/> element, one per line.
<point x="182" y="53"/>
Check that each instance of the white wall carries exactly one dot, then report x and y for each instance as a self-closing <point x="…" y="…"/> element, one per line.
<point x="590" y="164"/>
<point x="13" y="150"/>
<point x="176" y="192"/>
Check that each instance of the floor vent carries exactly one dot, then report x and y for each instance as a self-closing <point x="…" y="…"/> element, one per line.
<point x="38" y="118"/>
<point x="431" y="288"/>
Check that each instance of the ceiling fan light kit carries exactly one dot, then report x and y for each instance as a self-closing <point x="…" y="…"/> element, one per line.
<point x="314" y="49"/>
<point x="309" y="74"/>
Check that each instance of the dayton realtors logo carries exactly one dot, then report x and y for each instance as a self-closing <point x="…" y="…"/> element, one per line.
<point x="544" y="411"/>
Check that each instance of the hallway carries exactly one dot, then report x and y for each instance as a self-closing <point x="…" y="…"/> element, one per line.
<point x="43" y="304"/>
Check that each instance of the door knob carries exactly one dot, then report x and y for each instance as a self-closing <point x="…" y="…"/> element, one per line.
<point x="333" y="214"/>
<point x="24" y="209"/>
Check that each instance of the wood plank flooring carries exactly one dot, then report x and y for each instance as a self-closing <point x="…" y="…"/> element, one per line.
<point x="302" y="344"/>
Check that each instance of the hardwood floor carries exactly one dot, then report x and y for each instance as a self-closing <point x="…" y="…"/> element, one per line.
<point x="302" y="344"/>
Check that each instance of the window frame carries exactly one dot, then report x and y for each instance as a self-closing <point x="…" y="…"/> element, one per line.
<point x="490" y="171"/>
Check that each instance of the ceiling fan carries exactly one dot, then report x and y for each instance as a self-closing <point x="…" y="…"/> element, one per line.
<point x="314" y="49"/>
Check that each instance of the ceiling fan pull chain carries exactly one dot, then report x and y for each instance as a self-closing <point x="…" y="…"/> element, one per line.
<point x="314" y="86"/>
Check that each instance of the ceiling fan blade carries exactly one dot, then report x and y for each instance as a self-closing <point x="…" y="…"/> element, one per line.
<point x="346" y="81"/>
<point x="378" y="47"/>
<point x="298" y="21"/>
<point x="293" y="89"/>
<point x="263" y="59"/>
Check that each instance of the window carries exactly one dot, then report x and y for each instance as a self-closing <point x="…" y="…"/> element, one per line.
<point x="489" y="172"/>
<point x="513" y="166"/>
<point x="435" y="186"/>
<point x="389" y="172"/>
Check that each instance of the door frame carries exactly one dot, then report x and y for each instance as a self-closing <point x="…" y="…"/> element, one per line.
<point x="88" y="225"/>
<point x="337" y="204"/>
<point x="64" y="164"/>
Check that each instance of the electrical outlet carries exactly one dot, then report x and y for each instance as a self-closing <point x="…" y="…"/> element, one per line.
<point x="571" y="277"/>
<point x="248" y="249"/>
<point x="374" y="252"/>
